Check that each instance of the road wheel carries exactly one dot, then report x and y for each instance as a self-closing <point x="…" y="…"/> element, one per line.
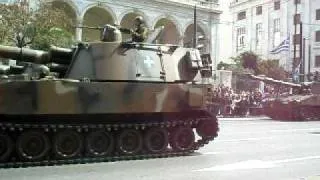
<point x="208" y="128"/>
<point x="130" y="141"/>
<point x="6" y="147"/>
<point x="182" y="138"/>
<point x="33" y="145"/>
<point x="305" y="113"/>
<point x="67" y="144"/>
<point x="156" y="140"/>
<point x="99" y="143"/>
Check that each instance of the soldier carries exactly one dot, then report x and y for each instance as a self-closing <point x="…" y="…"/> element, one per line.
<point x="140" y="32"/>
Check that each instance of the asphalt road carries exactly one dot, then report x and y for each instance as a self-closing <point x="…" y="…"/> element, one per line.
<point x="256" y="149"/>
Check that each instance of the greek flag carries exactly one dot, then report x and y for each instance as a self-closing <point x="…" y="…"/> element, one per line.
<point x="284" y="46"/>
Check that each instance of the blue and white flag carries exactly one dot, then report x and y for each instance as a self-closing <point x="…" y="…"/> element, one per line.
<point x="284" y="46"/>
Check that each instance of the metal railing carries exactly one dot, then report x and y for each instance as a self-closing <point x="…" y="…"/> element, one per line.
<point x="235" y="2"/>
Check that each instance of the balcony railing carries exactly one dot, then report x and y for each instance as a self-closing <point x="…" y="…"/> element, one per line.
<point x="235" y="2"/>
<point x="208" y="4"/>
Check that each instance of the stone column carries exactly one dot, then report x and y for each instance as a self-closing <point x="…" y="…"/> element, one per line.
<point x="181" y="37"/>
<point x="79" y="31"/>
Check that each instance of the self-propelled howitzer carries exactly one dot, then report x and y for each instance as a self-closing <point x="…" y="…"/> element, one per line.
<point x="301" y="101"/>
<point x="115" y="100"/>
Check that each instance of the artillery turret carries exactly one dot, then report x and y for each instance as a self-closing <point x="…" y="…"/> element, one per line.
<point x="115" y="100"/>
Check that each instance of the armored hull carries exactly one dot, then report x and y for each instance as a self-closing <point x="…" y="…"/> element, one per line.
<point x="302" y="104"/>
<point x="294" y="108"/>
<point x="107" y="101"/>
<point x="62" y="121"/>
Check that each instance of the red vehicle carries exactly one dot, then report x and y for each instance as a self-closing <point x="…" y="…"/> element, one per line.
<point x="301" y="102"/>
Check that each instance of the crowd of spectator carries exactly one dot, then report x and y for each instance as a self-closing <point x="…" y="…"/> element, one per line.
<point x="225" y="101"/>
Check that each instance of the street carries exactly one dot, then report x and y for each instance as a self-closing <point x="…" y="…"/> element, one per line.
<point x="246" y="148"/>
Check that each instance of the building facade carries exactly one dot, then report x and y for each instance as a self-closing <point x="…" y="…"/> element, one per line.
<point x="262" y="25"/>
<point x="176" y="16"/>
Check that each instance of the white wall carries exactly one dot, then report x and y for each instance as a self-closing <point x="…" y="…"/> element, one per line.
<point x="225" y="35"/>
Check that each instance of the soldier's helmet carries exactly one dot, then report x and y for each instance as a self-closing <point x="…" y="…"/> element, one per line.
<point x="139" y="20"/>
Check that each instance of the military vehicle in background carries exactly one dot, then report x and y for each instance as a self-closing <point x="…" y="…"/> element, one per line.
<point x="300" y="102"/>
<point x="103" y="101"/>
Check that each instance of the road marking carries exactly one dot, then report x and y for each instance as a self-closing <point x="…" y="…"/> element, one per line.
<point x="244" y="139"/>
<point x="272" y="131"/>
<point x="311" y="178"/>
<point x="255" y="164"/>
<point x="295" y="130"/>
<point x="213" y="153"/>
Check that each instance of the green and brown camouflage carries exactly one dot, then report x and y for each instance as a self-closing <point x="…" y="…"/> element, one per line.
<point x="127" y="100"/>
<point x="63" y="96"/>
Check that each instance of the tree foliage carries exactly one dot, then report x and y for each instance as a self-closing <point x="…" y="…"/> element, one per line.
<point x="250" y="61"/>
<point x="247" y="60"/>
<point x="272" y="69"/>
<point x="42" y="26"/>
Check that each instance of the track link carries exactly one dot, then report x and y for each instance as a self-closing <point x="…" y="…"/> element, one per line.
<point x="84" y="159"/>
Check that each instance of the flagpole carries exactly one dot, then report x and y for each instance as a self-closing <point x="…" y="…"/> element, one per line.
<point x="294" y="42"/>
<point x="301" y="67"/>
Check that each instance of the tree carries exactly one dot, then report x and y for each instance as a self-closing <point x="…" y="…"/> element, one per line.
<point x="272" y="69"/>
<point x="247" y="60"/>
<point x="41" y="27"/>
<point x="250" y="61"/>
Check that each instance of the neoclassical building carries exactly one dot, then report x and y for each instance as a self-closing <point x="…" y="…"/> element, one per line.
<point x="176" y="16"/>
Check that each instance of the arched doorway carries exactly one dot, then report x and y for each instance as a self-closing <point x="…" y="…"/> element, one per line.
<point x="201" y="37"/>
<point x="95" y="17"/>
<point x="170" y="33"/>
<point x="68" y="10"/>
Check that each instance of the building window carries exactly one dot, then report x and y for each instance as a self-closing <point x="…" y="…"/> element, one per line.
<point x="276" y="5"/>
<point x="276" y="32"/>
<point x="296" y="39"/>
<point x="317" y="61"/>
<point x="259" y="10"/>
<point x="258" y="35"/>
<point x="297" y="1"/>
<point x="241" y="15"/>
<point x="317" y="36"/>
<point x="276" y="25"/>
<point x="318" y="14"/>
<point x="241" y="33"/>
<point x="297" y="19"/>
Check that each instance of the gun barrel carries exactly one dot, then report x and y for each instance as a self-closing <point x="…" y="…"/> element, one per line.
<point x="61" y="55"/>
<point x="4" y="69"/>
<point x="57" y="55"/>
<point x="273" y="81"/>
<point x="24" y="54"/>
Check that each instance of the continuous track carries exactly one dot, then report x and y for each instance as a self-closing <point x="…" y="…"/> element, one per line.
<point x="14" y="131"/>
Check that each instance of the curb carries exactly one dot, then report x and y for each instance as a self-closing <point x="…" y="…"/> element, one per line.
<point x="249" y="118"/>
